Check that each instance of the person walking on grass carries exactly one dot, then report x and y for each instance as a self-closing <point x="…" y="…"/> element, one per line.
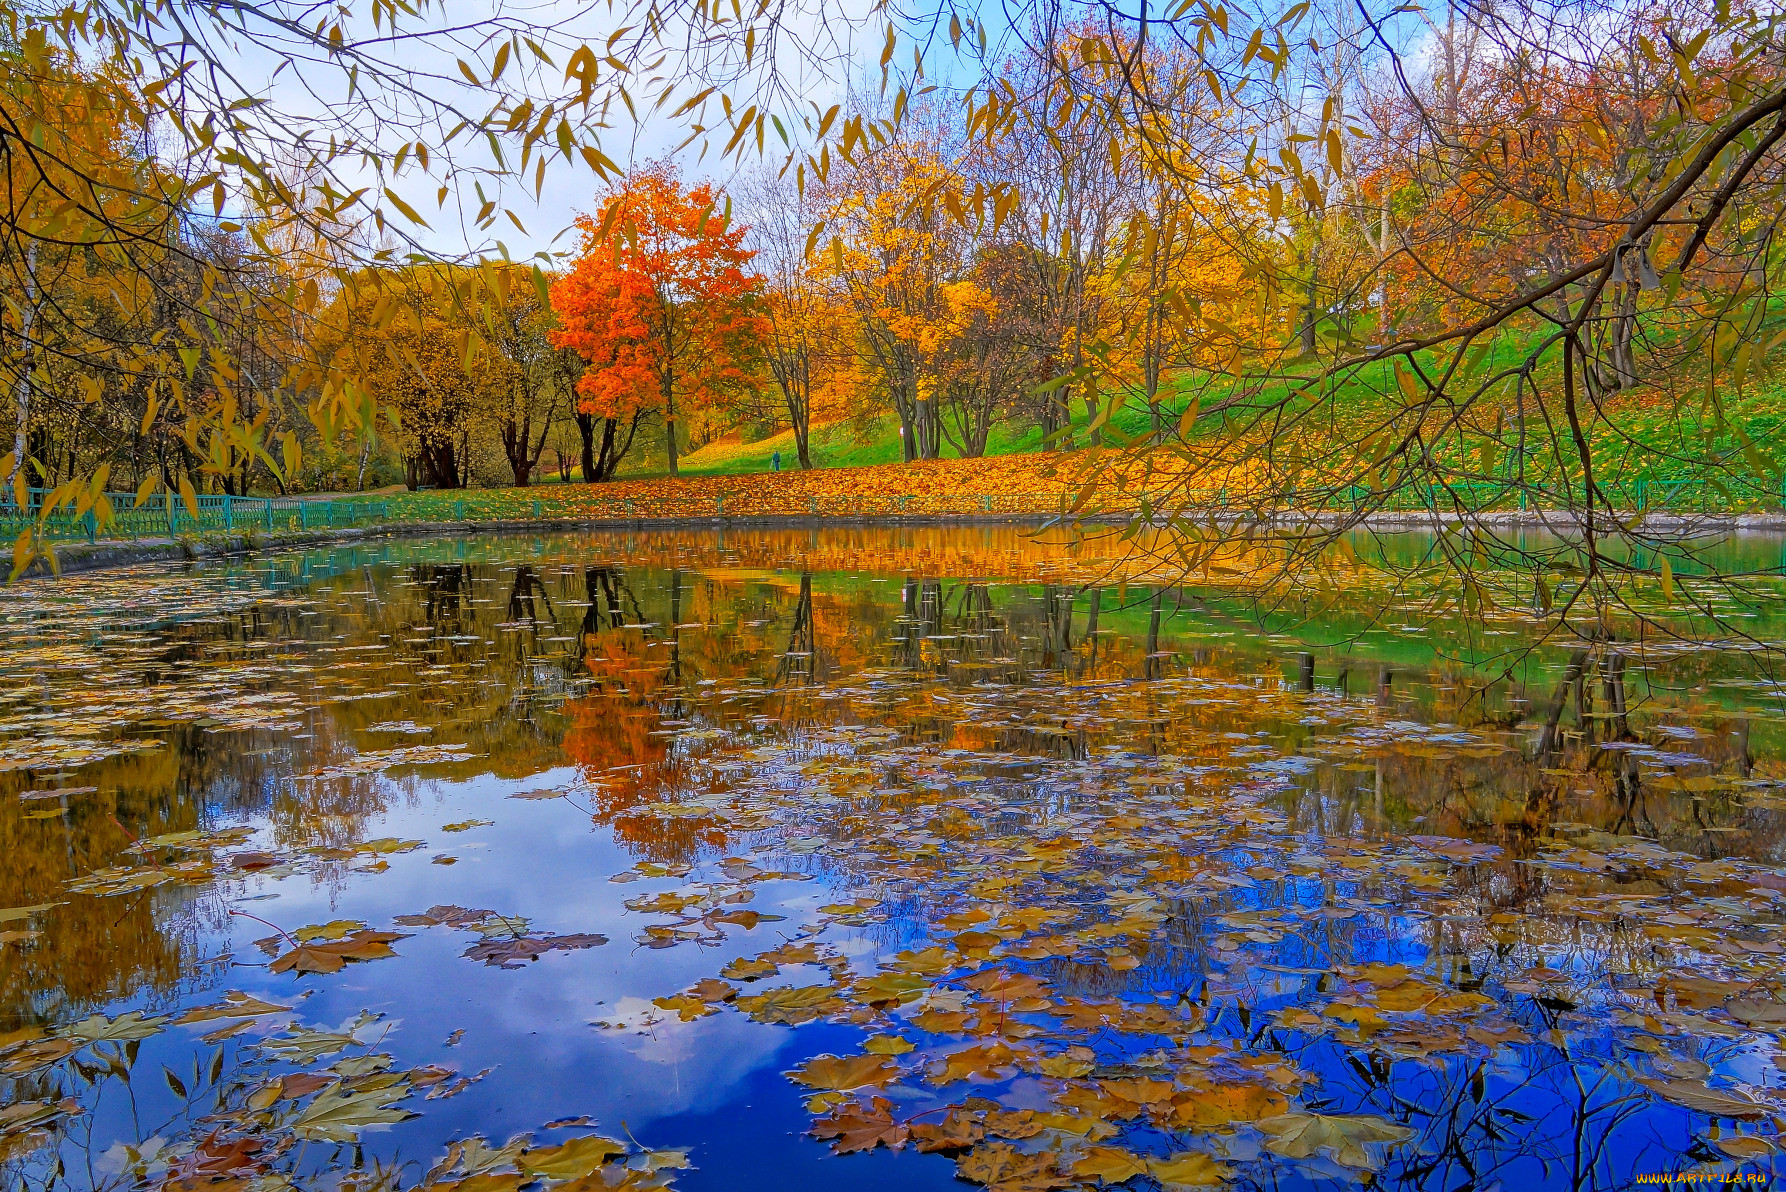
<point x="775" y="461"/>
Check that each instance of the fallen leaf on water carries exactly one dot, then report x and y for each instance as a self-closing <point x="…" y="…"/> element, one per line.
<point x="888" y="1045"/>
<point x="1109" y="1165"/>
<point x="98" y="1028"/>
<point x="843" y="1074"/>
<point x="1745" y="1146"/>
<point x="452" y="1088"/>
<point x="572" y="1159"/>
<point x="1343" y="1136"/>
<point x="25" y="912"/>
<point x="686" y="1006"/>
<point x="1205" y="1108"/>
<point x="511" y="953"/>
<point x="330" y="957"/>
<point x="957" y="1131"/>
<point x="1003" y="1168"/>
<point x="446" y="916"/>
<point x="24" y="1115"/>
<point x="1139" y="1092"/>
<point x="466" y="825"/>
<point x="858" y="1127"/>
<point x="743" y="969"/>
<point x="338" y="1115"/>
<point x="338" y="929"/>
<point x="1695" y="1094"/>
<point x="1191" y="1169"/>
<point x="235" y="1004"/>
<point x="991" y="1061"/>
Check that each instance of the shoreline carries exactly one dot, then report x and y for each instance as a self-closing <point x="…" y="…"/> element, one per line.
<point x="76" y="557"/>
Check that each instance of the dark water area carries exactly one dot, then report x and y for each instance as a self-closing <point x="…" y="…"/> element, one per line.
<point x="874" y="859"/>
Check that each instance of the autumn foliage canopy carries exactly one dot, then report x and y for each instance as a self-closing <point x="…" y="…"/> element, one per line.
<point x="659" y="302"/>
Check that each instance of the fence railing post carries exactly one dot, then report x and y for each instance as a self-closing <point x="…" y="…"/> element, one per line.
<point x="303" y="515"/>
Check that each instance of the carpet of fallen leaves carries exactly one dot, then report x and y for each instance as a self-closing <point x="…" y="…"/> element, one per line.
<point x="1035" y="484"/>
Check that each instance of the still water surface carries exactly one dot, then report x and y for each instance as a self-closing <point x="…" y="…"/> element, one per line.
<point x="604" y="836"/>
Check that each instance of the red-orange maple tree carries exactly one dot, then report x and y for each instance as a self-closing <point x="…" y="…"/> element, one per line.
<point x="659" y="303"/>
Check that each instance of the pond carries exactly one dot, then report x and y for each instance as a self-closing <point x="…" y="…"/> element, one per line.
<point x="870" y="859"/>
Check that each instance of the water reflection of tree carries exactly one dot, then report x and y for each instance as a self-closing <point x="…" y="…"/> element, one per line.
<point x="801" y="658"/>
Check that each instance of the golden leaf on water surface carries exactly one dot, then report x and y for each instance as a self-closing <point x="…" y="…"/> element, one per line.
<point x="32" y="1056"/>
<point x="1190" y="1169"/>
<point x="711" y="989"/>
<point x="792" y="1006"/>
<point x="570" y="1160"/>
<point x="330" y="957"/>
<point x="18" y="913"/>
<point x="842" y="1074"/>
<point x="1109" y="1165"/>
<point x="235" y="1004"/>
<point x="1003" y="1168"/>
<point x="1139" y="1091"/>
<point x="990" y="1061"/>
<point x="858" y="1127"/>
<point x="743" y="969"/>
<point x="1745" y="1146"/>
<point x="888" y="1045"/>
<point x="1066" y="1066"/>
<point x="1224" y="1105"/>
<point x="890" y="987"/>
<point x="338" y="929"/>
<point x="1765" y="1016"/>
<point x="97" y="1028"/>
<point x="1718" y="1103"/>
<point x="1342" y="1136"/>
<point x="958" y="1130"/>
<point x="26" y="1115"/>
<point x="686" y="1006"/>
<point x="339" y="1114"/>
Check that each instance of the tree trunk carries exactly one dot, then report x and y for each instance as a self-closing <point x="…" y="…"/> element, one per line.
<point x="669" y="392"/>
<point x="586" y="432"/>
<point x="908" y="438"/>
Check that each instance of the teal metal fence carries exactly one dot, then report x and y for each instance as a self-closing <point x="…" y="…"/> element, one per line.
<point x="166" y="516"/>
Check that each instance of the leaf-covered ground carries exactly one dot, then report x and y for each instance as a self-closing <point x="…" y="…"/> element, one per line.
<point x="631" y="862"/>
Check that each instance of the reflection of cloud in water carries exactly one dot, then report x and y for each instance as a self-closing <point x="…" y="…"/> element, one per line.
<point x="651" y="1066"/>
<point x="676" y="1067"/>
